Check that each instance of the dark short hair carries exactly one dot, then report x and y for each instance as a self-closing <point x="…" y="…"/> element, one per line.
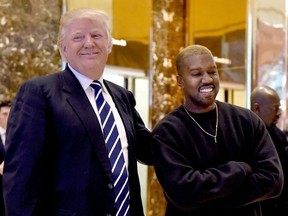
<point x="5" y="103"/>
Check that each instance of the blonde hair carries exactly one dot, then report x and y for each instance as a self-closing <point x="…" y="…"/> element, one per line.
<point x="190" y="50"/>
<point x="81" y="13"/>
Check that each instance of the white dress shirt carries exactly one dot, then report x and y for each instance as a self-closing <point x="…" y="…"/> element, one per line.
<point x="3" y="135"/>
<point x="85" y="83"/>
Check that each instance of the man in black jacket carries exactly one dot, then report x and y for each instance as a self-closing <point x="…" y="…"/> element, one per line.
<point x="265" y="102"/>
<point x="5" y="107"/>
<point x="211" y="157"/>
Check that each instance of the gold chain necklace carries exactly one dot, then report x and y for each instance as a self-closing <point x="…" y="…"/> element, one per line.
<point x="216" y="127"/>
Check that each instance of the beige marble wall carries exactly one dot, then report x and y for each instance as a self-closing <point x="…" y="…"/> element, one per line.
<point x="28" y="30"/>
<point x="168" y="39"/>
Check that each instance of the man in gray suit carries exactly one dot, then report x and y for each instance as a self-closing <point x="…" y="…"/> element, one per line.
<point x="56" y="160"/>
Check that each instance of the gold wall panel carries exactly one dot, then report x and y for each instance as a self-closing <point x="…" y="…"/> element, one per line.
<point x="215" y="17"/>
<point x="132" y="23"/>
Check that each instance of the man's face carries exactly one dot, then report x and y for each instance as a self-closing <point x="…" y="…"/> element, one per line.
<point x="270" y="112"/>
<point x="86" y="46"/>
<point x="200" y="81"/>
<point x="4" y="113"/>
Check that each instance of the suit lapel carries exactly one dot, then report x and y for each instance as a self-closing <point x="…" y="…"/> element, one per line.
<point x="121" y="107"/>
<point x="83" y="109"/>
<point x="2" y="150"/>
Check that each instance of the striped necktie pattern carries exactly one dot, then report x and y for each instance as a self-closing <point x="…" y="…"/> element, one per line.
<point x="113" y="145"/>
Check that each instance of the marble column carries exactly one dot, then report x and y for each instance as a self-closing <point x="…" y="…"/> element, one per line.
<point x="167" y="40"/>
<point x="28" y="40"/>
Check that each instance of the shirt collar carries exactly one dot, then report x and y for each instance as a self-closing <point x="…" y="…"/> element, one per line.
<point x="2" y="131"/>
<point x="86" y="81"/>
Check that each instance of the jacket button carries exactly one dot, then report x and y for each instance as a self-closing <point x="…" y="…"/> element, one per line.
<point x="110" y="186"/>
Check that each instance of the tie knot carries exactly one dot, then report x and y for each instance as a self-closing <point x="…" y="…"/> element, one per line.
<point x="96" y="85"/>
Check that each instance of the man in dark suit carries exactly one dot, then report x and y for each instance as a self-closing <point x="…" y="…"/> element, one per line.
<point x="5" y="107"/>
<point x="56" y="161"/>
<point x="265" y="102"/>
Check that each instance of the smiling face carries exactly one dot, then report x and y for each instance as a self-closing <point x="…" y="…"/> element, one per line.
<point x="86" y="46"/>
<point x="199" y="79"/>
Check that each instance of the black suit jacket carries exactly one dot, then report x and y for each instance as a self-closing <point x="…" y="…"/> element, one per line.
<point x="56" y="162"/>
<point x="278" y="206"/>
<point x="2" y="154"/>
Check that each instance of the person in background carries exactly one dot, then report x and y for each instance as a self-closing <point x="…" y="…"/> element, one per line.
<point x="57" y="144"/>
<point x="5" y="107"/>
<point x="211" y="157"/>
<point x="265" y="102"/>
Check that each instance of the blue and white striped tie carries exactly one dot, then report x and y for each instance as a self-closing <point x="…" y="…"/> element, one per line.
<point x="113" y="145"/>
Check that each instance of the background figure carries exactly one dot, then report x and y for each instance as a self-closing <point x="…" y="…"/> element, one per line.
<point x="265" y="102"/>
<point x="57" y="160"/>
<point x="5" y="107"/>
<point x="212" y="158"/>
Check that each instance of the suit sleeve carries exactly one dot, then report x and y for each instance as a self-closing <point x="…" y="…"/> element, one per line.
<point x="26" y="162"/>
<point x="143" y="136"/>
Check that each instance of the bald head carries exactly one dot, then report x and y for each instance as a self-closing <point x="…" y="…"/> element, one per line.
<point x="265" y="102"/>
<point x="263" y="94"/>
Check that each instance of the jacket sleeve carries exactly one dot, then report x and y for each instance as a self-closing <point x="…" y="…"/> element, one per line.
<point x="143" y="136"/>
<point x="266" y="180"/>
<point x="26" y="161"/>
